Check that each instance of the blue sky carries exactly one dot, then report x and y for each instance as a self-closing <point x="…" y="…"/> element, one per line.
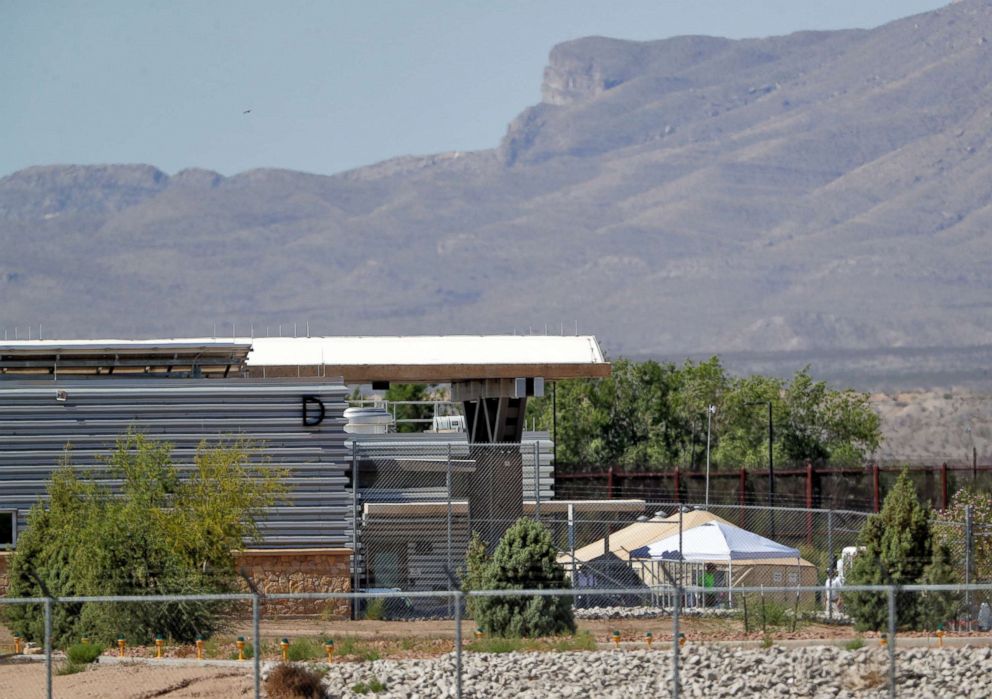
<point x="331" y="85"/>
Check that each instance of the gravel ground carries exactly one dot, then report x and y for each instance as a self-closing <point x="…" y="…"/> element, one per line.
<point x="815" y="672"/>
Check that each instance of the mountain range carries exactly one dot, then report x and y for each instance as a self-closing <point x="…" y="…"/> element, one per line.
<point x="814" y="194"/>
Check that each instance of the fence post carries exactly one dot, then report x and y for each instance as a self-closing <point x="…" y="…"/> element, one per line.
<point x="571" y="538"/>
<point x="969" y="557"/>
<point x="676" y="688"/>
<point x="830" y="562"/>
<point x="678" y="485"/>
<point x="447" y="484"/>
<point x="891" y="591"/>
<point x="609" y="483"/>
<point x="257" y="645"/>
<point x="537" y="480"/>
<point x="943" y="487"/>
<point x="458" y="644"/>
<point x="809" y="502"/>
<point x="742" y="497"/>
<point x="48" y="647"/>
<point x="354" y="527"/>
<point x="875" y="499"/>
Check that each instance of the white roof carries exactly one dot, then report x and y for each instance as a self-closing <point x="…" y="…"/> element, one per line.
<point x="418" y="358"/>
<point x="424" y="350"/>
<point x="365" y="350"/>
<point x="716" y="541"/>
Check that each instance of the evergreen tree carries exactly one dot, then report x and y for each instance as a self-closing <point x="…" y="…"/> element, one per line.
<point x="476" y="566"/>
<point x="898" y="549"/>
<point x="525" y="559"/>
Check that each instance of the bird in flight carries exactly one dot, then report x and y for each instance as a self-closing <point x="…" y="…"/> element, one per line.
<point x="247" y="111"/>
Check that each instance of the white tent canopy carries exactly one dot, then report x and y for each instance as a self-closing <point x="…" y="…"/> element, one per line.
<point x="715" y="541"/>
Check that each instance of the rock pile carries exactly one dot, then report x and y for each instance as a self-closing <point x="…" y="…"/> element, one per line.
<point x="815" y="672"/>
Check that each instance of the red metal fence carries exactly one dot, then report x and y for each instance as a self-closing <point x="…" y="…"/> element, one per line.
<point x="861" y="488"/>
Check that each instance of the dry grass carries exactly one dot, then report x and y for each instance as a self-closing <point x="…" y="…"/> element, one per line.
<point x="293" y="682"/>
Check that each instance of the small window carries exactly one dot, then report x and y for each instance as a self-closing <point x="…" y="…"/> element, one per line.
<point x="793" y="578"/>
<point x="8" y="528"/>
<point x="777" y="577"/>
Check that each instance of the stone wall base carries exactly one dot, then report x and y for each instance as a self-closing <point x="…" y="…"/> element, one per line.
<point x="282" y="570"/>
<point x="299" y="570"/>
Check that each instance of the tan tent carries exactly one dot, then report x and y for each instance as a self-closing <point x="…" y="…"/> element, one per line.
<point x="750" y="572"/>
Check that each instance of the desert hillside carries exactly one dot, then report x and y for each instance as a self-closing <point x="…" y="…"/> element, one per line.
<point x="802" y="195"/>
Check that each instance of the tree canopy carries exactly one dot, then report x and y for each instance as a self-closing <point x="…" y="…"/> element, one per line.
<point x="161" y="534"/>
<point x="650" y="414"/>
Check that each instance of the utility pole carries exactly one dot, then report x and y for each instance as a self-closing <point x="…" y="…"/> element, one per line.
<point x="709" y="423"/>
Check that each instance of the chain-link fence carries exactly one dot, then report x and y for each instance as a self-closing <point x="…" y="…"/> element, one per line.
<point x="418" y="503"/>
<point x="765" y="648"/>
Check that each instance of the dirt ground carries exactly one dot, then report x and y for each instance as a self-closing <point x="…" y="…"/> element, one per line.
<point x="26" y="680"/>
<point x="601" y="629"/>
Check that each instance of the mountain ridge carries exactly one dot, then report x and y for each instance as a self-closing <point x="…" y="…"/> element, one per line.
<point x="814" y="192"/>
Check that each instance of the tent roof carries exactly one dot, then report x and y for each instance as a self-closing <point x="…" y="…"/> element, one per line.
<point x="717" y="541"/>
<point x="641" y="534"/>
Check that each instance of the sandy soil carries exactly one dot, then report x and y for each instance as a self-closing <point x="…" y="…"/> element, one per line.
<point x="701" y="629"/>
<point x="26" y="680"/>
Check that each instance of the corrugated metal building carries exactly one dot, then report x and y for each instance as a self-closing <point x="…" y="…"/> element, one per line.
<point x="41" y="421"/>
<point x="74" y="400"/>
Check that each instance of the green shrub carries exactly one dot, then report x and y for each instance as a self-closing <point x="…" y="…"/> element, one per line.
<point x="83" y="653"/>
<point x="474" y="575"/>
<point x="160" y="535"/>
<point x="70" y="668"/>
<point x="249" y="651"/>
<point x="305" y="649"/>
<point x="375" y="610"/>
<point x="524" y="559"/>
<point x="351" y="646"/>
<point x="772" y="613"/>
<point x="374" y="685"/>
<point x="898" y="549"/>
<point x="855" y="643"/>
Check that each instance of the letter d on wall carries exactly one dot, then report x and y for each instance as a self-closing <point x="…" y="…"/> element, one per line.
<point x="313" y="411"/>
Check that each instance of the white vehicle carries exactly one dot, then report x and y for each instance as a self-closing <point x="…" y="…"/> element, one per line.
<point x="839" y="574"/>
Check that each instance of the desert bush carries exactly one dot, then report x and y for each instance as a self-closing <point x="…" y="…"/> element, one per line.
<point x="293" y="682"/>
<point x="375" y="685"/>
<point x="305" y="649"/>
<point x="524" y="559"/>
<point x="159" y="535"/>
<point x="83" y="653"/>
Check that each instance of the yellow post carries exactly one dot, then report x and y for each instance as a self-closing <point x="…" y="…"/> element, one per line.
<point x="615" y="637"/>
<point x="159" y="642"/>
<point x="199" y="647"/>
<point x="883" y="640"/>
<point x="940" y="636"/>
<point x="17" y="643"/>
<point x="240" y="643"/>
<point x="284" y="644"/>
<point x="649" y="637"/>
<point x="479" y="633"/>
<point x="329" y="648"/>
<point x="121" y="644"/>
<point x="681" y="640"/>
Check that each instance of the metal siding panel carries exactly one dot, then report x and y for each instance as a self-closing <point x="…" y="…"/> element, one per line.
<point x="35" y="430"/>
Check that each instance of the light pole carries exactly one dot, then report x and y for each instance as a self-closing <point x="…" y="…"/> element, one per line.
<point x="771" y="461"/>
<point x="709" y="423"/>
<point x="682" y="510"/>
